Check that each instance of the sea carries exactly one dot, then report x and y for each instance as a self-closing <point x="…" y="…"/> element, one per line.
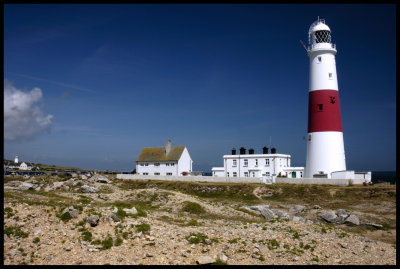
<point x="384" y="176"/>
<point x="377" y="177"/>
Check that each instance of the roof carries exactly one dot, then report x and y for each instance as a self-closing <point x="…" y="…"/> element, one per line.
<point x="158" y="154"/>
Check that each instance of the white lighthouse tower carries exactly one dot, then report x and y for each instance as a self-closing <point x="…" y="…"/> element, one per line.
<point x="325" y="147"/>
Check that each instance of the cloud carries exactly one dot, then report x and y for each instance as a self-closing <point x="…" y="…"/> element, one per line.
<point x="23" y="120"/>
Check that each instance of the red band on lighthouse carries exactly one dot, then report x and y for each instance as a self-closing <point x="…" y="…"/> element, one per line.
<point x="324" y="111"/>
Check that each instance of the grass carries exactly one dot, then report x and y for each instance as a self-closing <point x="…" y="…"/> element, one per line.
<point x="16" y="231"/>
<point x="144" y="228"/>
<point x="196" y="238"/>
<point x="193" y="208"/>
<point x="192" y="222"/>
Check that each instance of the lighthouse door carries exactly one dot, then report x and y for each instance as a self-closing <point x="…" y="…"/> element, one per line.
<point x="293" y="174"/>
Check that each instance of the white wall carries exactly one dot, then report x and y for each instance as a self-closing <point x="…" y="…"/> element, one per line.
<point x="185" y="163"/>
<point x="163" y="169"/>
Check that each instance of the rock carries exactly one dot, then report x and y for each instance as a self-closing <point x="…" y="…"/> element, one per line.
<point x="72" y="211"/>
<point x="99" y="178"/>
<point x="78" y="262"/>
<point x="38" y="188"/>
<point x="83" y="177"/>
<point x="57" y="185"/>
<point x="222" y="257"/>
<point x="280" y="214"/>
<point x="5" y="237"/>
<point x="131" y="210"/>
<point x="353" y="219"/>
<point x="342" y="213"/>
<point x="25" y="186"/>
<point x="296" y="209"/>
<point x="14" y="183"/>
<point x="316" y="207"/>
<point x="207" y="241"/>
<point x="88" y="189"/>
<point x="93" y="220"/>
<point x="329" y="216"/>
<point x="37" y="231"/>
<point x="264" y="210"/>
<point x="149" y="255"/>
<point x="66" y="188"/>
<point x="48" y="258"/>
<point x="205" y="260"/>
<point x="114" y="217"/>
<point x="78" y="183"/>
<point x="68" y="249"/>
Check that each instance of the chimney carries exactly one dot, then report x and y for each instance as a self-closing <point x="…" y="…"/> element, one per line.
<point x="167" y="147"/>
<point x="273" y="150"/>
<point x="242" y="150"/>
<point x="233" y="151"/>
<point x="265" y="150"/>
<point x="251" y="151"/>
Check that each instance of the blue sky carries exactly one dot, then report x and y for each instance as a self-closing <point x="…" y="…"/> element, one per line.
<point x="116" y="78"/>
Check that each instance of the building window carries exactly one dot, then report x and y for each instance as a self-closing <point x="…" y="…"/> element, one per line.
<point x="254" y="174"/>
<point x="141" y="164"/>
<point x="246" y="162"/>
<point x="246" y="174"/>
<point x="267" y="162"/>
<point x="157" y="164"/>
<point x="234" y="174"/>
<point x="145" y="174"/>
<point x="167" y="164"/>
<point x="146" y="164"/>
<point x="234" y="163"/>
<point x="172" y="164"/>
<point x="169" y="174"/>
<point x="320" y="107"/>
<point x="156" y="174"/>
<point x="256" y="162"/>
<point x="227" y="174"/>
<point x="267" y="174"/>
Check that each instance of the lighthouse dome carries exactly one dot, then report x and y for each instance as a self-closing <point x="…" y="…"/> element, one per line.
<point x="320" y="27"/>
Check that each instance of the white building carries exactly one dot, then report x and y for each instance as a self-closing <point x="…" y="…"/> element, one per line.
<point x="164" y="161"/>
<point x="18" y="165"/>
<point x="266" y="166"/>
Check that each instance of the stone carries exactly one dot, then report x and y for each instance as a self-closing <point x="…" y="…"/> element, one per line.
<point x="93" y="220"/>
<point x="207" y="241"/>
<point x="5" y="237"/>
<point x="83" y="177"/>
<point x="78" y="183"/>
<point x="222" y="257"/>
<point x="14" y="183"/>
<point x="100" y="179"/>
<point x="72" y="211"/>
<point x="280" y="214"/>
<point x="25" y="186"/>
<point x="114" y="217"/>
<point x="88" y="189"/>
<point x="66" y="188"/>
<point x="38" y="188"/>
<point x="37" y="231"/>
<point x="296" y="209"/>
<point x="205" y="260"/>
<point x="316" y="207"/>
<point x="48" y="258"/>
<point x="342" y="213"/>
<point x="57" y="185"/>
<point x="149" y="255"/>
<point x="329" y="216"/>
<point x="131" y="210"/>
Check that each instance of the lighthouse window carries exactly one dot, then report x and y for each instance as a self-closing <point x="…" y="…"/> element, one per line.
<point x="319" y="59"/>
<point x="323" y="36"/>
<point x="320" y="107"/>
<point x="330" y="75"/>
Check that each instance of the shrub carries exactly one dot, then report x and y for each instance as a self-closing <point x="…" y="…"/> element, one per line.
<point x="196" y="238"/>
<point x="64" y="217"/>
<point x="86" y="235"/>
<point x="107" y="243"/>
<point x="36" y="240"/>
<point x="192" y="222"/>
<point x="118" y="242"/>
<point x="273" y="244"/>
<point x="192" y="207"/>
<point x="16" y="231"/>
<point x="144" y="227"/>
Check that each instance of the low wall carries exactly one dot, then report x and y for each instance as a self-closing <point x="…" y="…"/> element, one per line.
<point x="329" y="181"/>
<point x="193" y="178"/>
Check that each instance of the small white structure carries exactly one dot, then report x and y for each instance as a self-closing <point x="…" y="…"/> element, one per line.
<point x="164" y="161"/>
<point x="266" y="166"/>
<point x="25" y="166"/>
<point x="18" y="165"/>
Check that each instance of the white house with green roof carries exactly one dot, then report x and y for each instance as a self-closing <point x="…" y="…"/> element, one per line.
<point x="164" y="161"/>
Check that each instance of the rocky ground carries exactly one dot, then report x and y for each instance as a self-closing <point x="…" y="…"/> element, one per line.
<point x="100" y="220"/>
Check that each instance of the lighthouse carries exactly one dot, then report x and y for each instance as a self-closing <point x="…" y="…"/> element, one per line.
<point x="325" y="147"/>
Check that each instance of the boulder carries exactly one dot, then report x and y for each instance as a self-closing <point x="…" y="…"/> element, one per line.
<point x="88" y="189"/>
<point x="329" y="216"/>
<point x="93" y="220"/>
<point x="72" y="211"/>
<point x="57" y="185"/>
<point x="342" y="213"/>
<point x="263" y="209"/>
<point x="25" y="186"/>
<point x="352" y="219"/>
<point x="132" y="211"/>
<point x="296" y="209"/>
<point x="205" y="260"/>
<point x="14" y="183"/>
<point x="99" y="178"/>
<point x="280" y="214"/>
<point x="83" y="177"/>
<point x="114" y="217"/>
<point x="66" y="188"/>
<point x="78" y="183"/>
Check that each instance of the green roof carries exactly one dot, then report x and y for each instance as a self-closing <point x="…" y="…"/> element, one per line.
<point x="158" y="154"/>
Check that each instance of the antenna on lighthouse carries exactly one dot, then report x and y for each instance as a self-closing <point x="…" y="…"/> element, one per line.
<point x="304" y="45"/>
